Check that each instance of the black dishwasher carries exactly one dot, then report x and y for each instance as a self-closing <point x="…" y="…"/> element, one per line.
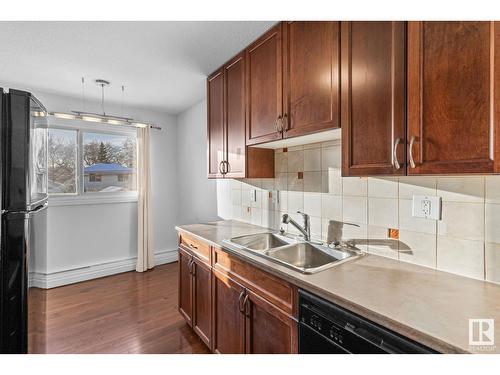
<point x="325" y="328"/>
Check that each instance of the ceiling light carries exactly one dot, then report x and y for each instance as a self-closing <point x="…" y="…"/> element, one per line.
<point x="66" y="116"/>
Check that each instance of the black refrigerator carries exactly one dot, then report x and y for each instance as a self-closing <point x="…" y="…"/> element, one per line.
<point x="24" y="180"/>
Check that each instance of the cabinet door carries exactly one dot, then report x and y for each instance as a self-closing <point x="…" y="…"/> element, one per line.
<point x="234" y="75"/>
<point x="264" y="87"/>
<point x="373" y="98"/>
<point x="215" y="123"/>
<point x="268" y="329"/>
<point x="311" y="77"/>
<point x="228" y="318"/>
<point x="202" y="300"/>
<point x="451" y="97"/>
<point x="185" y="286"/>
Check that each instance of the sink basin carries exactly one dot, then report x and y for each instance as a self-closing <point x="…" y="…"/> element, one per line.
<point x="261" y="241"/>
<point x="305" y="257"/>
<point x="308" y="258"/>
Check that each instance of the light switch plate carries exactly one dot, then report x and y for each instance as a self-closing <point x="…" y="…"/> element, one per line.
<point x="426" y="207"/>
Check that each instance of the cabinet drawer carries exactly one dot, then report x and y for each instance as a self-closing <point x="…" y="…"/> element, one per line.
<point x="277" y="291"/>
<point x="196" y="246"/>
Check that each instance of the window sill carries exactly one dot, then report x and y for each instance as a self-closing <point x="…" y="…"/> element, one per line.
<point x="92" y="199"/>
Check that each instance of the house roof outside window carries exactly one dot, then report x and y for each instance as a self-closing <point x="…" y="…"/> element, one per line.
<point x="108" y="168"/>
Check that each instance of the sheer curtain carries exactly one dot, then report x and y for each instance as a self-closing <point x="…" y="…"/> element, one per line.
<point x="145" y="252"/>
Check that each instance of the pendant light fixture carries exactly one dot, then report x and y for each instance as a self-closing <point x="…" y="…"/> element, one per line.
<point x="102" y="117"/>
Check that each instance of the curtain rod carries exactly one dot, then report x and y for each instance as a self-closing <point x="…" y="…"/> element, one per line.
<point x="105" y="119"/>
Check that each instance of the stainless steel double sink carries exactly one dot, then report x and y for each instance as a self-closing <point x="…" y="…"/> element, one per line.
<point x="304" y="256"/>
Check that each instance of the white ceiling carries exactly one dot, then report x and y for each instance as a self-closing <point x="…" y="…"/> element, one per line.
<point x="162" y="64"/>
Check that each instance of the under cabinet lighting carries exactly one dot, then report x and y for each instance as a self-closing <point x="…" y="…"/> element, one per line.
<point x="67" y="116"/>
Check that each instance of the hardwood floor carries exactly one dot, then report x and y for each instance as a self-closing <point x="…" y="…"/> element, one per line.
<point x="126" y="313"/>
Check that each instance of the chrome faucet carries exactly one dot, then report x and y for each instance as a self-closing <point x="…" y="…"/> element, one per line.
<point x="305" y="230"/>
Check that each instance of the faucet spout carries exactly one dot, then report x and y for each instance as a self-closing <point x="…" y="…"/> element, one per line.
<point x="305" y="230"/>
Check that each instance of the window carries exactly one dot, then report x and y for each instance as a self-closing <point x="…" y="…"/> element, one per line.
<point x="91" y="162"/>
<point x="94" y="178"/>
<point x="62" y="157"/>
<point x="109" y="157"/>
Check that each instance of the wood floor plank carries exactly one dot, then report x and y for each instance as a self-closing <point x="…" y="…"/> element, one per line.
<point x="126" y="313"/>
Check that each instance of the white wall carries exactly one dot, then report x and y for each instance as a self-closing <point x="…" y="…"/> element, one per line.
<point x="103" y="238"/>
<point x="197" y="196"/>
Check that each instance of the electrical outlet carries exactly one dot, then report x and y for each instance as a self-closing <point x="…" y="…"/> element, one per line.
<point x="426" y="207"/>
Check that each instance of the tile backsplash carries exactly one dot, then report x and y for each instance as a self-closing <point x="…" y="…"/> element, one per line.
<point x="465" y="241"/>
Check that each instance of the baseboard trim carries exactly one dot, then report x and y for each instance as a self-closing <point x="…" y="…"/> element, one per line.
<point x="53" y="280"/>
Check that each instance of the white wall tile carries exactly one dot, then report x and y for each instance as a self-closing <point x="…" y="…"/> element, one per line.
<point x="315" y="228"/>
<point x="280" y="162"/>
<point x="331" y="207"/>
<point x="355" y="186"/>
<point x="462" y="220"/>
<point x="312" y="182"/>
<point x="281" y="181"/>
<point x="414" y="224"/>
<point x="295" y="161"/>
<point x="331" y="181"/>
<point x="256" y="216"/>
<point x="492" y="258"/>
<point x="383" y="187"/>
<point x="380" y="244"/>
<point x="413" y="185"/>
<point x="312" y="204"/>
<point x="492" y="222"/>
<point x="236" y="196"/>
<point x="355" y="209"/>
<point x="237" y="212"/>
<point x="357" y="233"/>
<point x="492" y="189"/>
<point x="417" y="248"/>
<point x="330" y="158"/>
<point x="282" y="204"/>
<point x="295" y="201"/>
<point x="294" y="183"/>
<point x="461" y="189"/>
<point x="312" y="159"/>
<point x="383" y="212"/>
<point x="459" y="256"/>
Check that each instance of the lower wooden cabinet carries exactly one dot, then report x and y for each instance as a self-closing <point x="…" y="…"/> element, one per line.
<point x="228" y="319"/>
<point x="268" y="330"/>
<point x="185" y="286"/>
<point x="202" y="300"/>
<point x="233" y="312"/>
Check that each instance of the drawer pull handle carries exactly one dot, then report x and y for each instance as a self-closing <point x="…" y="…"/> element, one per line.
<point x="193" y="247"/>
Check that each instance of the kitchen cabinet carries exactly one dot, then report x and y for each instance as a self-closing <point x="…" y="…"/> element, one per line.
<point x="453" y="97"/>
<point x="293" y="81"/>
<point x="228" y="155"/>
<point x="229" y="321"/>
<point x="233" y="306"/>
<point x="268" y="329"/>
<point x="202" y="300"/>
<point x="373" y="98"/>
<point x="311" y="87"/>
<point x="195" y="287"/>
<point x="264" y="88"/>
<point x="185" y="285"/>
<point x="215" y="131"/>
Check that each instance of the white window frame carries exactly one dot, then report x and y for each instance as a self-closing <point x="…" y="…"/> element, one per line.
<point x="80" y="197"/>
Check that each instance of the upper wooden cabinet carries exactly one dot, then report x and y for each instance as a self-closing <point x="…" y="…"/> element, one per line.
<point x="264" y="87"/>
<point x="216" y="123"/>
<point x="453" y="99"/>
<point x="226" y="122"/>
<point x="310" y="77"/>
<point x="373" y="98"/>
<point x="293" y="81"/>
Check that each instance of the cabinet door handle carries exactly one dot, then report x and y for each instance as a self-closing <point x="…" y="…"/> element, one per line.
<point x="240" y="298"/>
<point x="190" y="266"/>
<point x="228" y="167"/>
<point x="220" y="167"/>
<point x="285" y="120"/>
<point x="412" y="141"/>
<point x="277" y="125"/>
<point x="193" y="247"/>
<point x="246" y="309"/>
<point x="395" y="163"/>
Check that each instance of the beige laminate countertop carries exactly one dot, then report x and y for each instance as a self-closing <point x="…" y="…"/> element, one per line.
<point x="426" y="305"/>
